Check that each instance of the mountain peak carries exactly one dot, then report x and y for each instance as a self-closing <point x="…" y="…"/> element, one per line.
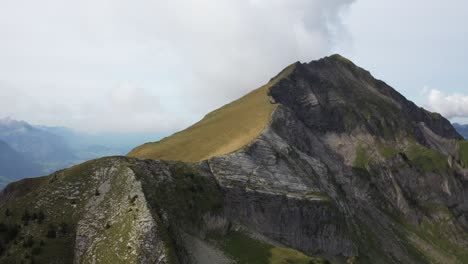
<point x="8" y="121"/>
<point x="342" y="97"/>
<point x="328" y="95"/>
<point x="338" y="57"/>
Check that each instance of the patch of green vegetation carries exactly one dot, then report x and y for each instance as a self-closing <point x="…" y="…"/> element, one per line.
<point x="429" y="241"/>
<point x="25" y="236"/>
<point x="169" y="247"/>
<point x="435" y="235"/>
<point x="186" y="196"/>
<point x="369" y="244"/>
<point x="426" y="159"/>
<point x="46" y="215"/>
<point x="387" y="152"/>
<point x="361" y="161"/>
<point x="463" y="152"/>
<point x="180" y="199"/>
<point x="118" y="235"/>
<point x="220" y="132"/>
<point x="247" y="250"/>
<point x="56" y="250"/>
<point x="441" y="211"/>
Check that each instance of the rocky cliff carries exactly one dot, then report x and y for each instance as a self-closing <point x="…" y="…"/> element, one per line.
<point x="344" y="170"/>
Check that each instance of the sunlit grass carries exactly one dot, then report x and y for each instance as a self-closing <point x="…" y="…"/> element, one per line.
<point x="220" y="132"/>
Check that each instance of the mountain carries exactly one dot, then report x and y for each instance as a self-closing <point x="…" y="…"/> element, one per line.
<point x="38" y="145"/>
<point x="324" y="164"/>
<point x="13" y="166"/>
<point x="53" y="148"/>
<point x="82" y="145"/>
<point x="462" y="129"/>
<point x="90" y="146"/>
<point x="34" y="142"/>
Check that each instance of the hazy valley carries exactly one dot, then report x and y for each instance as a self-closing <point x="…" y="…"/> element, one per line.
<point x="30" y="150"/>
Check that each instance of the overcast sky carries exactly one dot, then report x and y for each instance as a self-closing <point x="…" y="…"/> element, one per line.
<point x="158" y="66"/>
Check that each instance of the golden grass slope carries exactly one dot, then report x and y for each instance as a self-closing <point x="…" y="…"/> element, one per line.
<point x="222" y="131"/>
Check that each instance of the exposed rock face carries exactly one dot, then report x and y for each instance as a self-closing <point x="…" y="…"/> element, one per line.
<point x="347" y="168"/>
<point x="327" y="110"/>
<point x="132" y="234"/>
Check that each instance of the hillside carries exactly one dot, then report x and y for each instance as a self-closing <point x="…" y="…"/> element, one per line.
<point x="220" y="132"/>
<point x="344" y="169"/>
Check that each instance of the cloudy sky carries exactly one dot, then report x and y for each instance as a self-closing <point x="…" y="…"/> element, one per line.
<point x="158" y="66"/>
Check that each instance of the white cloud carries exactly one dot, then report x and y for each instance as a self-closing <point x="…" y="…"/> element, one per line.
<point x="450" y="106"/>
<point x="182" y="57"/>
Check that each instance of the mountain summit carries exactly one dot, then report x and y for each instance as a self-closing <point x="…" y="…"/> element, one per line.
<point x="324" y="164"/>
<point x="328" y="95"/>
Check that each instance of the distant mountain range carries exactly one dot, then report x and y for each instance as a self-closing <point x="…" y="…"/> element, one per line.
<point x="14" y="166"/>
<point x="33" y="150"/>
<point x="462" y="129"/>
<point x="40" y="146"/>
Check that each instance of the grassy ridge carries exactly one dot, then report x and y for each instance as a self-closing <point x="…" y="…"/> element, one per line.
<point x="463" y="150"/>
<point x="220" y="132"/>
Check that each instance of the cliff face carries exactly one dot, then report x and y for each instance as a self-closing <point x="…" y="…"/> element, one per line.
<point x="346" y="170"/>
<point x="381" y="178"/>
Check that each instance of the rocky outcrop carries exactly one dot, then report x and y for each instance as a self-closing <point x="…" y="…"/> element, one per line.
<point x="117" y="225"/>
<point x="298" y="183"/>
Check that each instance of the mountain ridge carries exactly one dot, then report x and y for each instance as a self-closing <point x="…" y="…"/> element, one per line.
<point x="393" y="101"/>
<point x="224" y="130"/>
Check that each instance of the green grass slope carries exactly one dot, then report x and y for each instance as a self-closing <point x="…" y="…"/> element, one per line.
<point x="42" y="217"/>
<point x="220" y="132"/>
<point x="463" y="151"/>
<point x="247" y="250"/>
